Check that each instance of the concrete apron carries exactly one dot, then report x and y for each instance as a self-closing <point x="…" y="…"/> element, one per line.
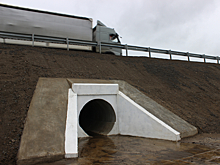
<point x="62" y="110"/>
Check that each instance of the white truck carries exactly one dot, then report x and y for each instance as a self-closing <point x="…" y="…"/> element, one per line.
<point x="30" y="21"/>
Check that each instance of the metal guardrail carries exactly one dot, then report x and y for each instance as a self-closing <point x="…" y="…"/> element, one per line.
<point x="69" y="41"/>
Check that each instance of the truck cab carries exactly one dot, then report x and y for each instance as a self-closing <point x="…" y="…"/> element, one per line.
<point x="102" y="33"/>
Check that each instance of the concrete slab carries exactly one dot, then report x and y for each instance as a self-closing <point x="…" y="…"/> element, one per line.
<point x="44" y="131"/>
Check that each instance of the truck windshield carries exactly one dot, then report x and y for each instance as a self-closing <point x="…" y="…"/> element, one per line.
<point x="114" y="38"/>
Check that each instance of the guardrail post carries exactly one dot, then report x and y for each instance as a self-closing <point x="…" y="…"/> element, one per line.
<point x="217" y="59"/>
<point x="100" y="47"/>
<point x="4" y="40"/>
<point x="149" y="52"/>
<point x="67" y="42"/>
<point x="204" y="58"/>
<point x="188" y="56"/>
<point x="170" y="54"/>
<point x="126" y="47"/>
<point x="32" y="39"/>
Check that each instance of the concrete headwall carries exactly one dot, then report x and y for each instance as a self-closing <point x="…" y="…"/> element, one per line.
<point x="43" y="137"/>
<point x="184" y="128"/>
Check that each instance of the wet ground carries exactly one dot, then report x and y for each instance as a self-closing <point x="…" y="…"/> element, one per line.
<point x="135" y="150"/>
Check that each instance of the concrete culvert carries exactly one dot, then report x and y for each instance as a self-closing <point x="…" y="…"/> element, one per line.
<point x="97" y="117"/>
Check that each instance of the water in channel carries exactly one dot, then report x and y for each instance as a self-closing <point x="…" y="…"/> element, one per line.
<point x="135" y="150"/>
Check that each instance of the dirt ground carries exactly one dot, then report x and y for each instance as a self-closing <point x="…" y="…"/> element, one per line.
<point x="188" y="89"/>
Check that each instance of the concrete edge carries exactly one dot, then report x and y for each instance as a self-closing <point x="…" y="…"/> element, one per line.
<point x="71" y="132"/>
<point x="95" y="88"/>
<point x="36" y="160"/>
<point x="73" y="155"/>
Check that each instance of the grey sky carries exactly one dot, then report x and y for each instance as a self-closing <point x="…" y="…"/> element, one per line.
<point x="183" y="25"/>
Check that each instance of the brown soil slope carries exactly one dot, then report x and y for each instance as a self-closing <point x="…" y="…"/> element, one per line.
<point x="190" y="90"/>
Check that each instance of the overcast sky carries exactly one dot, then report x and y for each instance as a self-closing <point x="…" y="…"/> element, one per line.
<point x="182" y="25"/>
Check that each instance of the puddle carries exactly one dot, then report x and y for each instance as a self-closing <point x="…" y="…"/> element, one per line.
<point x="135" y="150"/>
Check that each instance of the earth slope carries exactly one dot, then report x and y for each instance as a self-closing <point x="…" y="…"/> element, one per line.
<point x="188" y="89"/>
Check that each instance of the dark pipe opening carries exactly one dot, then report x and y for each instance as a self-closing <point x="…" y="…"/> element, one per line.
<point x="97" y="117"/>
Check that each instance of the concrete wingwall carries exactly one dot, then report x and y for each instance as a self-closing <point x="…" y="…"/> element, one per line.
<point x="49" y="129"/>
<point x="184" y="128"/>
<point x="44" y="132"/>
<point x="136" y="121"/>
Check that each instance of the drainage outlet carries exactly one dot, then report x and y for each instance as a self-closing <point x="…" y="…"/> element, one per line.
<point x="97" y="117"/>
